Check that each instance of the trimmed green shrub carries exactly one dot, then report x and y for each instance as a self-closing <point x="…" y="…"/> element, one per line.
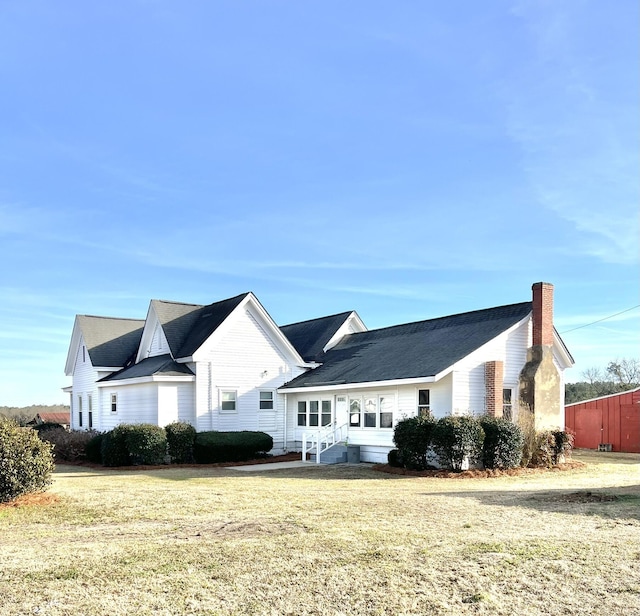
<point x="455" y="439"/>
<point x="93" y="449"/>
<point x="503" y="442"/>
<point x="113" y="448"/>
<point x="181" y="437"/>
<point x="412" y="437"/>
<point x="26" y="462"/>
<point x="146" y="443"/>
<point x="394" y="458"/>
<point x="68" y="446"/>
<point x="211" y="447"/>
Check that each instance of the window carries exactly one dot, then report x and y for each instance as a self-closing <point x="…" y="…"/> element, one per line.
<point x="370" y="412"/>
<point x="375" y="412"/>
<point x="266" y="400"/>
<point x="386" y="412"/>
<point x="80" y="411"/>
<point x="90" y="414"/>
<point x="302" y="413"/>
<point x="507" y="404"/>
<point x="84" y="358"/>
<point x="114" y="403"/>
<point x="354" y="413"/>
<point x="228" y="401"/>
<point x="314" y="413"/>
<point x="424" y="402"/>
<point x="326" y="412"/>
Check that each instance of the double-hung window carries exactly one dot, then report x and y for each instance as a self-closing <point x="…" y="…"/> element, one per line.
<point x="266" y="400"/>
<point x="314" y="413"/>
<point x="114" y="403"/>
<point x="80" y="411"/>
<point x="424" y="402"/>
<point x="228" y="401"/>
<point x="90" y="413"/>
<point x="507" y="404"/>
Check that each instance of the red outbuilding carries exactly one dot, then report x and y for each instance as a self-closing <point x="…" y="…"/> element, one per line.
<point x="611" y="423"/>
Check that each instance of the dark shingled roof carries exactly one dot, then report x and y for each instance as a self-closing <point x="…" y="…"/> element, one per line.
<point x="110" y="342"/>
<point x="187" y="326"/>
<point x="413" y="350"/>
<point x="161" y="365"/>
<point x="310" y="337"/>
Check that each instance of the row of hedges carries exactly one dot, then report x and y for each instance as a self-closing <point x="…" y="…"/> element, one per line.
<point x="26" y="462"/>
<point x="138" y="444"/>
<point x="495" y="442"/>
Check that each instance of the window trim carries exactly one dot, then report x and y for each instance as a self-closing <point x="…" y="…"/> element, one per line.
<point x="509" y="405"/>
<point x="361" y="417"/>
<point x="272" y="400"/>
<point x="321" y="412"/>
<point x="424" y="407"/>
<point x="221" y="401"/>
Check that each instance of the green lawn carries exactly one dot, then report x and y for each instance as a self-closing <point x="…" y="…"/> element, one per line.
<point x="327" y="540"/>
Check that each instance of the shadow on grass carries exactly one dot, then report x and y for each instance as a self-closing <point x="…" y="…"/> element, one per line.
<point x="620" y="502"/>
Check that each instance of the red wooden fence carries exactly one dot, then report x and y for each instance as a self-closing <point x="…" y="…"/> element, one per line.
<point x="611" y="419"/>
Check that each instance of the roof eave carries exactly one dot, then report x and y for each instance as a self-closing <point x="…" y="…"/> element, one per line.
<point x="363" y="385"/>
<point x="154" y="378"/>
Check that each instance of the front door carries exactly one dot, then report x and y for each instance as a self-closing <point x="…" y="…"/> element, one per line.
<point x="342" y="410"/>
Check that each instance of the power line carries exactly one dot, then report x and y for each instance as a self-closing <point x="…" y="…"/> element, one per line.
<point x="600" y="320"/>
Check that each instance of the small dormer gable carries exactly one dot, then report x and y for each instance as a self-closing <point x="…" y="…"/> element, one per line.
<point x="353" y="324"/>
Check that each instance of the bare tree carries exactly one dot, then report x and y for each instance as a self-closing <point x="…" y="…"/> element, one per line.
<point x="624" y="372"/>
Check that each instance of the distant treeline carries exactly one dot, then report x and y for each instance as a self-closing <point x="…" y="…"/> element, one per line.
<point x="584" y="390"/>
<point x="24" y="414"/>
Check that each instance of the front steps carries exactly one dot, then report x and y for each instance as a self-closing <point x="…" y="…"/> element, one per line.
<point x="334" y="455"/>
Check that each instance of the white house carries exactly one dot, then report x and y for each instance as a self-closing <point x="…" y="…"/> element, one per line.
<point x="228" y="366"/>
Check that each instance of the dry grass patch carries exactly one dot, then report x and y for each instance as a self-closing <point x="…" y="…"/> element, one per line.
<point x="327" y="540"/>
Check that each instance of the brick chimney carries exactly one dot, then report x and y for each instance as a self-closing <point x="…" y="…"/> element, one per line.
<point x="542" y="313"/>
<point x="540" y="383"/>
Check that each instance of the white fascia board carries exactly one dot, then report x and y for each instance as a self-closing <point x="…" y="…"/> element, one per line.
<point x="269" y="323"/>
<point x="74" y="345"/>
<point x="68" y="389"/>
<point x="148" y="379"/>
<point x="365" y="385"/>
<point x="147" y="332"/>
<point x="561" y="351"/>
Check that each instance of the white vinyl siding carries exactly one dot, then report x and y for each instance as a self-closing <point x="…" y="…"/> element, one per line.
<point x="243" y="357"/>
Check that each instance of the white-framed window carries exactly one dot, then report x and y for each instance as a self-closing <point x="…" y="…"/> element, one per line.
<point x="375" y="411"/>
<point x="386" y="411"/>
<point x="355" y="408"/>
<point x="84" y="356"/>
<point x="80" y="411"/>
<point x="302" y="412"/>
<point x="228" y="401"/>
<point x="424" y="402"/>
<point x="266" y="400"/>
<point x="315" y="413"/>
<point x="114" y="403"/>
<point x="507" y="403"/>
<point x="90" y="411"/>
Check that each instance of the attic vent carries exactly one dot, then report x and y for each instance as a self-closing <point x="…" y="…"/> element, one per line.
<point x="206" y="314"/>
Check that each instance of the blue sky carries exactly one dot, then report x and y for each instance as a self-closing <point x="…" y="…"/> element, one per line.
<point x="406" y="159"/>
